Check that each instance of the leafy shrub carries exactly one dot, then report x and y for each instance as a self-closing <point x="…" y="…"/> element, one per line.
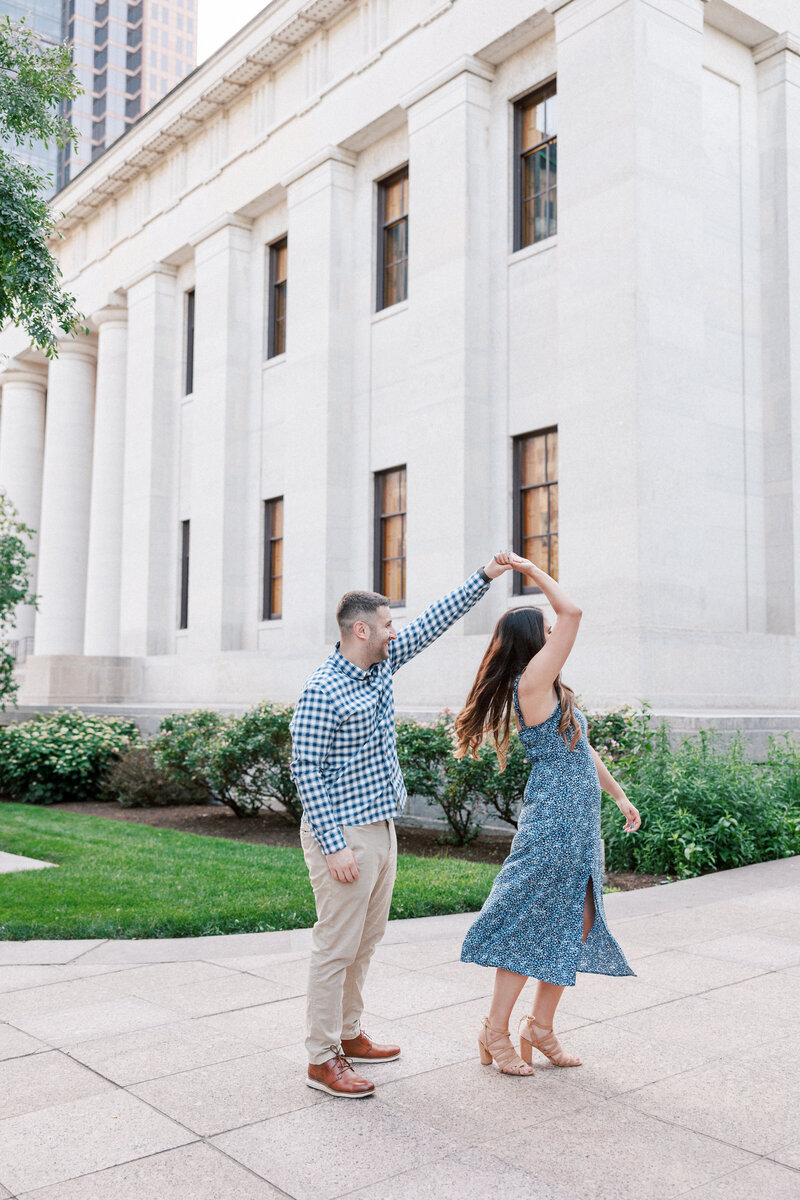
<point x="463" y="788"/>
<point x="706" y="807"/>
<point x="136" y="780"/>
<point x="242" y="762"/>
<point x="62" y="756"/>
<point x="431" y="771"/>
<point x="620" y="735"/>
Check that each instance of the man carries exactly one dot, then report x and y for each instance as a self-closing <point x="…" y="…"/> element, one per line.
<point x="345" y="766"/>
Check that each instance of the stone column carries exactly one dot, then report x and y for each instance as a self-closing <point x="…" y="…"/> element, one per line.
<point x="778" y="67"/>
<point x="630" y="343"/>
<point x="224" y="508"/>
<point x="66" y="486"/>
<point x="21" y="455"/>
<point x="453" y="472"/>
<point x="318" y="527"/>
<point x="149" y="574"/>
<point x="105" y="525"/>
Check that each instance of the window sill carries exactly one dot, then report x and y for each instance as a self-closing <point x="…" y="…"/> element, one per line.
<point x="531" y="251"/>
<point x="383" y="313"/>
<point x="271" y="623"/>
<point x="275" y="361"/>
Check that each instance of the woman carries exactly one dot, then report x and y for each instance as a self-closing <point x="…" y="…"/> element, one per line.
<point x="544" y="916"/>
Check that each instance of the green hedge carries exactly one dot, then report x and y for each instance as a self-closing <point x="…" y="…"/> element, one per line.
<point x="62" y="756"/>
<point x="704" y="805"/>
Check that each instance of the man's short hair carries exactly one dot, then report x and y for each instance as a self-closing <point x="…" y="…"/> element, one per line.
<point x="355" y="606"/>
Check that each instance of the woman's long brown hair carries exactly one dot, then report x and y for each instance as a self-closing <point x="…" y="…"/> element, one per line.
<point x="518" y="636"/>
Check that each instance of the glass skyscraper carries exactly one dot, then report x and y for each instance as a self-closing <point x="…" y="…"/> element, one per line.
<point x="126" y="56"/>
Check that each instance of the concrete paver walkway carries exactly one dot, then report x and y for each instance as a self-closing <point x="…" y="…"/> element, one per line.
<point x="18" y="862"/>
<point x="173" y="1070"/>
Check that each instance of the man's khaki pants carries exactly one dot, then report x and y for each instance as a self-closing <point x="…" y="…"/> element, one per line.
<point x="351" y="920"/>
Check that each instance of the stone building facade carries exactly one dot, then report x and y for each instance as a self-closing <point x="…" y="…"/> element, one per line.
<point x="387" y="284"/>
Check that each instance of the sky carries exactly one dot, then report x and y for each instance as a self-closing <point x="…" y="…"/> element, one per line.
<point x="216" y="22"/>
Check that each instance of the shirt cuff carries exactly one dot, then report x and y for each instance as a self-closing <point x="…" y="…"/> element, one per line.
<point x="330" y="840"/>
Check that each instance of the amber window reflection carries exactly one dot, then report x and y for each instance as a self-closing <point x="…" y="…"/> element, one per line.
<point x="273" y="559"/>
<point x="276" y="340"/>
<point x="390" y="534"/>
<point x="536" y="184"/>
<point x="536" y="491"/>
<point x="393" y="245"/>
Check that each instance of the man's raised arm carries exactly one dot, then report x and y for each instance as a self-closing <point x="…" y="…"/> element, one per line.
<point x="440" y="615"/>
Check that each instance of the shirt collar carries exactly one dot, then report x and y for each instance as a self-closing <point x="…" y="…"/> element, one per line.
<point x="349" y="668"/>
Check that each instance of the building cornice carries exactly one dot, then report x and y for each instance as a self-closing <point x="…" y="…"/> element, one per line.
<point x="198" y="98"/>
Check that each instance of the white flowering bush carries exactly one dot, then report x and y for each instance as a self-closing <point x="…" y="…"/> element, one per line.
<point x="61" y="756"/>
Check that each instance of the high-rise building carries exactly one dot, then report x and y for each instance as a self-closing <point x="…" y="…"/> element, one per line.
<point x="43" y="16"/>
<point x="126" y="56"/>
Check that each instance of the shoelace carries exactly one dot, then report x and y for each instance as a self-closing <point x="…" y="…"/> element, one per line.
<point x="342" y="1064"/>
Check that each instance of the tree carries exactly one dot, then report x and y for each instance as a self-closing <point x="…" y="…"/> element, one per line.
<point x="33" y="83"/>
<point x="15" y="587"/>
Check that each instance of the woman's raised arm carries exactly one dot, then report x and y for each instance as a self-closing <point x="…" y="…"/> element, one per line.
<point x="545" y="667"/>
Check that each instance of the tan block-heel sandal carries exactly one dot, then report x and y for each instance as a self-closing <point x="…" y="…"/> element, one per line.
<point x="496" y="1044"/>
<point x="533" y="1036"/>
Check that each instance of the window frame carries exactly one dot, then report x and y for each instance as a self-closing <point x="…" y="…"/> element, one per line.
<point x="384" y="184"/>
<point x="378" y="524"/>
<point x="189" y="323"/>
<point x="183" y="602"/>
<point x="269" y="576"/>
<point x="529" y="100"/>
<point x="274" y="249"/>
<point x="521" y="588"/>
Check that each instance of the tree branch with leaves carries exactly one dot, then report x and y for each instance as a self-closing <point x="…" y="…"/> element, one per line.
<point x="34" y="83"/>
<point x="15" y="588"/>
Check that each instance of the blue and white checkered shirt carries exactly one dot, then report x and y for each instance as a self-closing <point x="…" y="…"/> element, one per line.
<point x="344" y="754"/>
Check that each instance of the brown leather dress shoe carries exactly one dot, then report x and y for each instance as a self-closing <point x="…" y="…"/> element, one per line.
<point x="337" y="1078"/>
<point x="363" y="1049"/>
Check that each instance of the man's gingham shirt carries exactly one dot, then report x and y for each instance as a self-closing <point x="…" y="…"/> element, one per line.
<point x="344" y="755"/>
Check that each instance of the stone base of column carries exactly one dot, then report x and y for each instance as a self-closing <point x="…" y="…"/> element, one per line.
<point x="80" y="679"/>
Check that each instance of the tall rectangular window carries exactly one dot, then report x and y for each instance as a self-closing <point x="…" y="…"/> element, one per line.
<point x="273" y="559"/>
<point x="189" y="380"/>
<point x="393" y="239"/>
<point x="535" y="135"/>
<point x="390" y="534"/>
<point x="536" y="502"/>
<point x="183" y="615"/>
<point x="276" y="301"/>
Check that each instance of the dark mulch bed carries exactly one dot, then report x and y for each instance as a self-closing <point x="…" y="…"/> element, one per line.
<point x="270" y="829"/>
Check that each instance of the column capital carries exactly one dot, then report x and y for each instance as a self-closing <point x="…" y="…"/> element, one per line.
<point x="467" y="64"/>
<point x="83" y="347"/>
<point x="18" y="371"/>
<point x="584" y="12"/>
<point x="332" y="154"/>
<point x="781" y="43"/>
<point x="108" y="314"/>
<point x="153" y="268"/>
<point x="226" y="221"/>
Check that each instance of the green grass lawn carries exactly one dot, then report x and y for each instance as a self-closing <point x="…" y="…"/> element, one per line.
<point x="120" y="880"/>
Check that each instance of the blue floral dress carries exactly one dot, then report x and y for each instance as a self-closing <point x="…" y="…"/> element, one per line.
<point x="532" y="921"/>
